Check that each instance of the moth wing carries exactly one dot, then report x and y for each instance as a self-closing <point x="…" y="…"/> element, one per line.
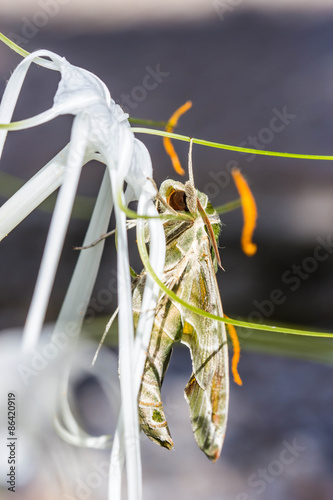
<point x="151" y="413"/>
<point x="207" y="391"/>
<point x="165" y="332"/>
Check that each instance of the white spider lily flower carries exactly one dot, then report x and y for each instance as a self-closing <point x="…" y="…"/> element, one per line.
<point x="100" y="131"/>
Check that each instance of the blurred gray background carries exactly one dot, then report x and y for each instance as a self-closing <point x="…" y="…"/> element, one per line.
<point x="242" y="64"/>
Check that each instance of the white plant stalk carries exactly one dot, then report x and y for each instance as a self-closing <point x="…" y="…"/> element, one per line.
<point x="100" y="130"/>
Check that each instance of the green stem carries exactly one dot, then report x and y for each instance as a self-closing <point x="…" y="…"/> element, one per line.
<point x="140" y="130"/>
<point x="151" y="123"/>
<point x="14" y="46"/>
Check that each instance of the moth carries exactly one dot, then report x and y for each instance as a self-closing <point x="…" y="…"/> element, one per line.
<point x="190" y="266"/>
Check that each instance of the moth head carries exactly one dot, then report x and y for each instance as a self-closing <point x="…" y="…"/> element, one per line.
<point x="177" y="200"/>
<point x="182" y="197"/>
<point x="185" y="198"/>
<point x="175" y="195"/>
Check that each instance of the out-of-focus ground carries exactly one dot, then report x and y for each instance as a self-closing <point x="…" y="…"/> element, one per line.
<point x="241" y="72"/>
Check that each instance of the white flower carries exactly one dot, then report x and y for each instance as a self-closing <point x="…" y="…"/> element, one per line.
<point x="100" y="131"/>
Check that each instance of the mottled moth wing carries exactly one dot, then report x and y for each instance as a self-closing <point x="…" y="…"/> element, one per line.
<point x="207" y="391"/>
<point x="167" y="329"/>
<point x="190" y="273"/>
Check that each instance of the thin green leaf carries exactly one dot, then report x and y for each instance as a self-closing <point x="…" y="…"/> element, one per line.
<point x="243" y="324"/>
<point x="318" y="350"/>
<point x="228" y="207"/>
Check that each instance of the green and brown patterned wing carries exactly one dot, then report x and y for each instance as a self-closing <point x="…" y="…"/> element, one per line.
<point x="207" y="391"/>
<point x="166" y="331"/>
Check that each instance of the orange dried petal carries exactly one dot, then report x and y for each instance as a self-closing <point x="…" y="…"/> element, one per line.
<point x="236" y="355"/>
<point x="172" y="122"/>
<point x="249" y="212"/>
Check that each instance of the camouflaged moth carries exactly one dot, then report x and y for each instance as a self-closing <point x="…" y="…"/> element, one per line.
<point x="191" y="263"/>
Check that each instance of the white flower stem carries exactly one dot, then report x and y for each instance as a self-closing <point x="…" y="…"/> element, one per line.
<point x="56" y="234"/>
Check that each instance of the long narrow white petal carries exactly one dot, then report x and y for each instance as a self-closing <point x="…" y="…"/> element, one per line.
<point x="151" y="292"/>
<point x="126" y="363"/>
<point x="48" y="115"/>
<point x="157" y="257"/>
<point x="142" y="337"/>
<point x="84" y="276"/>
<point x="56" y="234"/>
<point x="13" y="89"/>
<point x="32" y="193"/>
<point x="105" y="371"/>
<point x="83" y="439"/>
<point x="35" y="191"/>
<point x="126" y="333"/>
<point x="72" y="313"/>
<point x="117" y="461"/>
<point x="136" y="178"/>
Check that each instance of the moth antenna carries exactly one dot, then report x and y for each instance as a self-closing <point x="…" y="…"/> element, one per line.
<point x="190" y="164"/>
<point x="129" y="225"/>
<point x="210" y="232"/>
<point x="153" y="183"/>
<point x="95" y="242"/>
<point x="106" y="331"/>
<point x="193" y="202"/>
<point x="191" y="194"/>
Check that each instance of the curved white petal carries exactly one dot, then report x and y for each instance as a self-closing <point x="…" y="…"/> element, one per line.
<point x="77" y="102"/>
<point x="56" y="234"/>
<point x="13" y="89"/>
<point x="117" y="461"/>
<point x="32" y="193"/>
<point x="35" y="191"/>
<point x="151" y="291"/>
<point x="143" y="331"/>
<point x="125" y="324"/>
<point x="82" y="439"/>
<point x="73" y="310"/>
